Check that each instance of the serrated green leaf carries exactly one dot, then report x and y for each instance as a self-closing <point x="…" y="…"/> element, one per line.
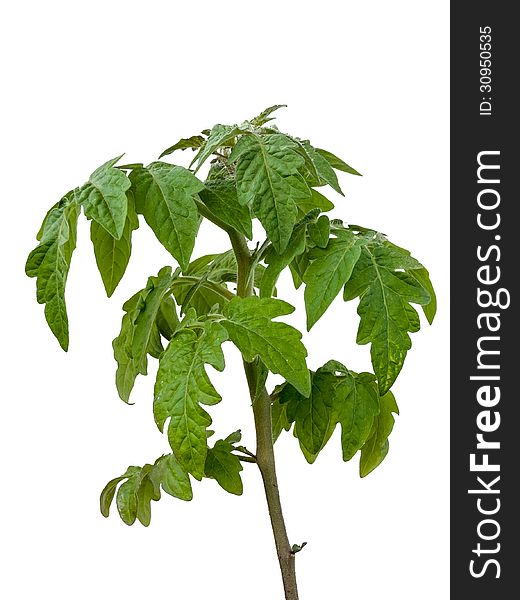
<point x="49" y="262"/>
<point x="193" y="142"/>
<point x="278" y="345"/>
<point x="276" y="263"/>
<point x="338" y="396"/>
<point x="319" y="232"/>
<point x="133" y="342"/>
<point x="386" y="289"/>
<point x="420" y="274"/>
<point x="181" y="387"/>
<point x="224" y="466"/>
<point x="104" y="199"/>
<point x="112" y="255"/>
<point x="329" y="270"/>
<point x="337" y="163"/>
<point x="376" y="447"/>
<point x="221" y="198"/>
<point x="267" y="179"/>
<point x="164" y="195"/>
<point x="265" y="116"/>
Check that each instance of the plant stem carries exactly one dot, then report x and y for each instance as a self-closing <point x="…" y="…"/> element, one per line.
<point x="247" y="459"/>
<point x="264" y="438"/>
<point x="266" y="463"/>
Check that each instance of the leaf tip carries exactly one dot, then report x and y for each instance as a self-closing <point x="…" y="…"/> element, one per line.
<point x="310" y="322"/>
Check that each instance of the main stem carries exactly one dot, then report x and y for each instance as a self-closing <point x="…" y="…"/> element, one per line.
<point x="264" y="437"/>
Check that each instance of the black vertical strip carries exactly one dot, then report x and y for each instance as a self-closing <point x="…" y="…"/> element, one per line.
<point x="485" y="242"/>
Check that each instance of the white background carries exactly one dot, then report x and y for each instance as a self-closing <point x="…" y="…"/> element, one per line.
<point x="86" y="81"/>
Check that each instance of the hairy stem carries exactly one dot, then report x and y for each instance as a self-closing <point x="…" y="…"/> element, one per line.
<point x="264" y="439"/>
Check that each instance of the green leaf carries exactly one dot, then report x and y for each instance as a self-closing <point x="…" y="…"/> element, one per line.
<point x="329" y="270"/>
<point x="357" y="407"/>
<point x="193" y="142"/>
<point x="298" y="266"/>
<point x="217" y="266"/>
<point x="423" y="278"/>
<point x="181" y="387"/>
<point x="108" y="493"/>
<point x="112" y="255"/>
<point x="267" y="178"/>
<point x="221" y="198"/>
<point x="142" y="485"/>
<point x="319" y="231"/>
<point x="276" y="263"/>
<point x="278" y="345"/>
<point x="164" y="195"/>
<point x="145" y="494"/>
<point x="279" y="418"/>
<point x="51" y="213"/>
<point x="104" y="199"/>
<point x="320" y="168"/>
<point x="172" y="477"/>
<point x="167" y="319"/>
<point x="265" y="116"/>
<point x="315" y="200"/>
<point x="49" y="262"/>
<point x="155" y="347"/>
<point x="133" y="342"/>
<point x="220" y="135"/>
<point x="337" y="163"/>
<point x="337" y="396"/>
<point x="234" y="437"/>
<point x="202" y="296"/>
<point x="224" y="466"/>
<point x="126" y="498"/>
<point x="315" y="416"/>
<point x="219" y="171"/>
<point x="204" y="287"/>
<point x="376" y="447"/>
<point x="199" y="265"/>
<point x="382" y="280"/>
